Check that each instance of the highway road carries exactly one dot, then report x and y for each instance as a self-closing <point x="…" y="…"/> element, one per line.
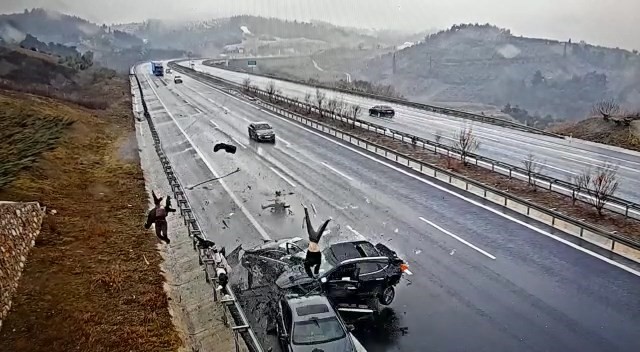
<point x="484" y="279"/>
<point x="559" y="158"/>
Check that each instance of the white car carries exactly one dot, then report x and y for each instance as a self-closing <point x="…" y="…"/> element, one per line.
<point x="177" y="79"/>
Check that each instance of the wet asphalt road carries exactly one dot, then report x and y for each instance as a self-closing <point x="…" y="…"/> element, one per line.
<point x="561" y="158"/>
<point x="509" y="288"/>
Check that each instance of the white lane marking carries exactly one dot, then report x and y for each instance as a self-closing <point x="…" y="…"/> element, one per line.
<point x="336" y="171"/>
<point x="285" y="142"/>
<point x="469" y="200"/>
<point x="237" y="141"/>
<point x="244" y="210"/>
<point x="215" y="125"/>
<point x="354" y="231"/>
<point x="282" y="177"/>
<point x="458" y="238"/>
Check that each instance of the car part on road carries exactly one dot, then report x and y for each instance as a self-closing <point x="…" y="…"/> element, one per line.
<point x="231" y="149"/>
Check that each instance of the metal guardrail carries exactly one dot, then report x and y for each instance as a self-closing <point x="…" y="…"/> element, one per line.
<point x="452" y="178"/>
<point x="615" y="242"/>
<point x="614" y="204"/>
<point x="241" y="327"/>
<point x="437" y="109"/>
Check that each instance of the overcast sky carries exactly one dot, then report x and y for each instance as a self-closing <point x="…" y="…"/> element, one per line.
<point x="607" y="22"/>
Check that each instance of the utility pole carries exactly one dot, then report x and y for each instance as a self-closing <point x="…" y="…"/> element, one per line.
<point x="394" y="62"/>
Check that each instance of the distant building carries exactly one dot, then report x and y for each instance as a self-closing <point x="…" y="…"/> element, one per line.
<point x="406" y="45"/>
<point x="233" y="49"/>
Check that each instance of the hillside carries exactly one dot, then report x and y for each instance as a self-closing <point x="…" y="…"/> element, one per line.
<point x="112" y="48"/>
<point x="488" y="65"/>
<point x="85" y="284"/>
<point x="210" y="37"/>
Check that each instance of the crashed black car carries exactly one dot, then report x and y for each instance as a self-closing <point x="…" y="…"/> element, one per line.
<point x="351" y="273"/>
<point x="355" y="276"/>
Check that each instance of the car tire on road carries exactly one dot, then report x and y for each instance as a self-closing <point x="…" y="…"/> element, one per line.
<point x="387" y="295"/>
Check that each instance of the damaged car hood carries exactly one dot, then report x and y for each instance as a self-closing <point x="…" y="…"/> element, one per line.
<point x="294" y="276"/>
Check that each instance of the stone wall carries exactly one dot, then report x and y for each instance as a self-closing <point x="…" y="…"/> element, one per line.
<point x="19" y="227"/>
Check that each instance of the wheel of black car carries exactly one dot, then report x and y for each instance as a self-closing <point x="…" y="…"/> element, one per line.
<point x="387" y="296"/>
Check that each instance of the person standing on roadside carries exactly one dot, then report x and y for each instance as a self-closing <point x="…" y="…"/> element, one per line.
<point x="158" y="217"/>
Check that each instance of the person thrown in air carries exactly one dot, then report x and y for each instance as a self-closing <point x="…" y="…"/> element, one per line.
<point x="158" y="217"/>
<point x="314" y="255"/>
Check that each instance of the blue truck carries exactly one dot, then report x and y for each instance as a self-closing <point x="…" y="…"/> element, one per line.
<point x="157" y="69"/>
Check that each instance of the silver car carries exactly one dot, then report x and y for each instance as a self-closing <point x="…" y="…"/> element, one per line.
<point x="309" y="323"/>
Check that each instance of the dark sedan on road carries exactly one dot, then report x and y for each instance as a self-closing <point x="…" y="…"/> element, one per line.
<point x="262" y="132"/>
<point x="309" y="323"/>
<point x="382" y="111"/>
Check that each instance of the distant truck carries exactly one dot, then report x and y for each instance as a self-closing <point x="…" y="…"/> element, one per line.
<point x="157" y="69"/>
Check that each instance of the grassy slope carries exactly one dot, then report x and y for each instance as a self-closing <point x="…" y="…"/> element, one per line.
<point x="598" y="130"/>
<point x="87" y="285"/>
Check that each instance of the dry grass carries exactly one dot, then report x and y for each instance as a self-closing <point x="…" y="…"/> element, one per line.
<point x="86" y="286"/>
<point x="551" y="200"/>
<point x="598" y="130"/>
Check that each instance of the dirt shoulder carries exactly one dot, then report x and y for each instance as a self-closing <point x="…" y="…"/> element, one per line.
<point x="92" y="282"/>
<point x="563" y="204"/>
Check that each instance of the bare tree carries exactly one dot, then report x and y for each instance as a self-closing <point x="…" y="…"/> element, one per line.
<point x="438" y="136"/>
<point x="466" y="142"/>
<point x="246" y="84"/>
<point x="533" y="166"/>
<point x="341" y="107"/>
<point x="354" y="111"/>
<point x="599" y="184"/>
<point x="606" y="108"/>
<point x="320" y="100"/>
<point x="331" y="106"/>
<point x="307" y="100"/>
<point x="271" y="90"/>
<point x="294" y="102"/>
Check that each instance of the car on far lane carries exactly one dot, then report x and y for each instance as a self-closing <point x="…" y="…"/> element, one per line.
<point x="262" y="132"/>
<point x="382" y="111"/>
<point x="309" y="323"/>
<point x="177" y="79"/>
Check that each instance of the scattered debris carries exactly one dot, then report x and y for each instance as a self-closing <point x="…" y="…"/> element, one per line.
<point x="226" y="226"/>
<point x="367" y="200"/>
<point x="452" y="252"/>
<point x="396" y="230"/>
<point x="418" y="251"/>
